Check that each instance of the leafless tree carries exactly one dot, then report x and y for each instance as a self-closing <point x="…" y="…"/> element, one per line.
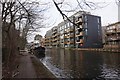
<point x="27" y="14"/>
<point x="23" y="16"/>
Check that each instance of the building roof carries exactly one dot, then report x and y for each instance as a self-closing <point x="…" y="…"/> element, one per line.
<point x="113" y="24"/>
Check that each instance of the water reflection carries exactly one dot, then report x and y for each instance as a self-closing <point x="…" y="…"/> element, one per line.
<point x="82" y="64"/>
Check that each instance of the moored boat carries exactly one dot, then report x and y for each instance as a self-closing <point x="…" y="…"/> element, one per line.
<point x="39" y="52"/>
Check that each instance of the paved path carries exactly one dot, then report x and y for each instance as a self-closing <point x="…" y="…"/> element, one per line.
<point x="26" y="68"/>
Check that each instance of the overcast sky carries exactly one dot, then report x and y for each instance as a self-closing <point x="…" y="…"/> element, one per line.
<point x="109" y="14"/>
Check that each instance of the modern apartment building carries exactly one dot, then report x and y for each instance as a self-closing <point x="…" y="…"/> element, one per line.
<point x="82" y="30"/>
<point x="112" y="37"/>
<point x="48" y="39"/>
<point x="88" y="31"/>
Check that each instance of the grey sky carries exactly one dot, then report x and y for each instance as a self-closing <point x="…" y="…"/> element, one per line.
<point x="109" y="14"/>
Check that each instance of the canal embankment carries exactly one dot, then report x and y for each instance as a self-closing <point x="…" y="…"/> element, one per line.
<point x="95" y="49"/>
<point x="41" y="70"/>
<point x="99" y="49"/>
<point x="110" y="50"/>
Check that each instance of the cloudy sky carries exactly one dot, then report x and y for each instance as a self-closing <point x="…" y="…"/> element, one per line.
<point x="109" y="14"/>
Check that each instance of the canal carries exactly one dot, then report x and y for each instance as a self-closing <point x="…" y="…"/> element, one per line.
<point x="82" y="64"/>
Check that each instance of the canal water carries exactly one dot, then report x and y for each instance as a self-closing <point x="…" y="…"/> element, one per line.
<point x="82" y="64"/>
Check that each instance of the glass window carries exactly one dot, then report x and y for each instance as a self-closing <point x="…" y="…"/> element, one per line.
<point x="98" y="32"/>
<point x="98" y="26"/>
<point x="98" y="20"/>
<point x="60" y="27"/>
<point x="68" y="24"/>
<point x="86" y="32"/>
<point x="86" y="18"/>
<point x="71" y="24"/>
<point x="113" y="27"/>
<point x="80" y="26"/>
<point x="65" y="26"/>
<point x="86" y="25"/>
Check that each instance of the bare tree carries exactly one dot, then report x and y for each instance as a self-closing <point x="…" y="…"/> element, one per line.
<point x="19" y="17"/>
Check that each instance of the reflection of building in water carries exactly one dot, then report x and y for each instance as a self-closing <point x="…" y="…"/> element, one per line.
<point x="112" y="36"/>
<point x="110" y="67"/>
<point x="84" y="31"/>
<point x="76" y="64"/>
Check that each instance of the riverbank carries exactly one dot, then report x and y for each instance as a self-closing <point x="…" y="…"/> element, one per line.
<point x="30" y="67"/>
<point x="94" y="49"/>
<point x="41" y="70"/>
<point x="99" y="49"/>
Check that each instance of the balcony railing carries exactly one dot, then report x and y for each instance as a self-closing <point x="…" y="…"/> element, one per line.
<point x="80" y="41"/>
<point x="71" y="42"/>
<point x="70" y="30"/>
<point x="80" y="34"/>
<point x="71" y="35"/>
<point x="65" y="36"/>
<point x="113" y="38"/>
<point x="65" y="42"/>
<point x="118" y="31"/>
<point x="79" y="21"/>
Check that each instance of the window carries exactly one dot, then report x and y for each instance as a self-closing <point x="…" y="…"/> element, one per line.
<point x="86" y="25"/>
<point x="113" y="27"/>
<point x="98" y="26"/>
<point x="86" y="32"/>
<point x="71" y="24"/>
<point x="80" y="26"/>
<point x="98" y="20"/>
<point x="62" y="27"/>
<point x="61" y="37"/>
<point x="86" y="18"/>
<point x="65" y="26"/>
<point x="68" y="24"/>
<point x="98" y="32"/>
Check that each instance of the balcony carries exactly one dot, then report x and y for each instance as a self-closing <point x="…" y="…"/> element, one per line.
<point x="65" y="32"/>
<point x="80" y="26"/>
<point x="70" y="30"/>
<point x="118" y="31"/>
<point x="68" y="42"/>
<point x="80" y="41"/>
<point x="113" y="38"/>
<point x="80" y="34"/>
<point x="58" y="38"/>
<point x="79" y="21"/>
<point x="65" y="42"/>
<point x="112" y="31"/>
<point x="54" y="32"/>
<point x="71" y="36"/>
<point x="71" y="42"/>
<point x="55" y="39"/>
<point x="55" y="35"/>
<point x="65" y="36"/>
